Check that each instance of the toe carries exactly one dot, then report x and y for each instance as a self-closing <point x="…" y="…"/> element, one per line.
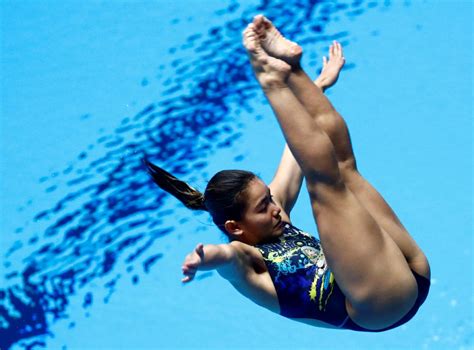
<point x="258" y="18"/>
<point x="257" y="21"/>
<point x="246" y="30"/>
<point x="250" y="41"/>
<point x="249" y="46"/>
<point x="268" y="24"/>
<point x="262" y="60"/>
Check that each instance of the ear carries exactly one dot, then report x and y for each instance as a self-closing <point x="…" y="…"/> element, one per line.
<point x="233" y="228"/>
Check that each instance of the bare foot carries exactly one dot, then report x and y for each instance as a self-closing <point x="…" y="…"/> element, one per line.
<point x="274" y="43"/>
<point x="332" y="67"/>
<point x="270" y="72"/>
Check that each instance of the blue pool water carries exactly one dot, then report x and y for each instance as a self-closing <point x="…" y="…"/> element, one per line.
<point x="92" y="250"/>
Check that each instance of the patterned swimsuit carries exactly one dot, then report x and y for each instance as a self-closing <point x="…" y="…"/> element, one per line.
<point x="305" y="285"/>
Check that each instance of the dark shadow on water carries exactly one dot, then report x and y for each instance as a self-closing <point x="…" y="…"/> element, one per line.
<point x="104" y="227"/>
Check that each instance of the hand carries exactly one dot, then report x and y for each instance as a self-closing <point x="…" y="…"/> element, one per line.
<point x="192" y="262"/>
<point x="331" y="67"/>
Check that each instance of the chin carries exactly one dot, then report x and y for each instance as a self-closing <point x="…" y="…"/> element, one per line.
<point x="279" y="231"/>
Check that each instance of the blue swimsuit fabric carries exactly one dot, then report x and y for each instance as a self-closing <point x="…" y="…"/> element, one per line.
<point x="305" y="285"/>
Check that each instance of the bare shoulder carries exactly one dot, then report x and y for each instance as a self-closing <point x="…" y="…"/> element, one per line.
<point x="246" y="255"/>
<point x="242" y="247"/>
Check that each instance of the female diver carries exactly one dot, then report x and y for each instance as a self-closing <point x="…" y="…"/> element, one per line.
<point x="366" y="273"/>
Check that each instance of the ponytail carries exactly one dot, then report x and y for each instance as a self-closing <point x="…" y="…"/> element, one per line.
<point x="225" y="197"/>
<point x="189" y="196"/>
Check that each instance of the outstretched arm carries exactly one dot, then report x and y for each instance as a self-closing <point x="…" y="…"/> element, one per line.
<point x="286" y="183"/>
<point x="206" y="257"/>
<point x="231" y="260"/>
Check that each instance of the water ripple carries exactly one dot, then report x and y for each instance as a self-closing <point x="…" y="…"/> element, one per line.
<point x="113" y="212"/>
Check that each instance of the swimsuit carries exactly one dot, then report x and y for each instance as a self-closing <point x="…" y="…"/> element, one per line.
<point x="305" y="285"/>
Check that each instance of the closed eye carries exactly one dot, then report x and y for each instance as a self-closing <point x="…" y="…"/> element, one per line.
<point x="269" y="200"/>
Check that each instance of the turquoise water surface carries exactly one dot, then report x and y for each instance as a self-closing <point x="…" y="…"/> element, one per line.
<point x="92" y="249"/>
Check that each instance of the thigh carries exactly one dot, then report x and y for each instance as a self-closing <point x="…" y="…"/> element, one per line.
<point x="366" y="262"/>
<point x="335" y="126"/>
<point x="384" y="215"/>
<point x="368" y="266"/>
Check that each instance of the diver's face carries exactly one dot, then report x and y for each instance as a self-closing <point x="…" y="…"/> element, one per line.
<point x="261" y="219"/>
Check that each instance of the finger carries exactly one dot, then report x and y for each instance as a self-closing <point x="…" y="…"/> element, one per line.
<point x="325" y="61"/>
<point x="331" y="51"/>
<point x="339" y="50"/>
<point x="190" y="264"/>
<point x="186" y="279"/>
<point x="342" y="51"/>
<point x="189" y="276"/>
<point x="189" y="273"/>
<point x="188" y="269"/>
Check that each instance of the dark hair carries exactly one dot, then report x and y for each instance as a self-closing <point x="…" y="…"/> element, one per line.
<point x="224" y="197"/>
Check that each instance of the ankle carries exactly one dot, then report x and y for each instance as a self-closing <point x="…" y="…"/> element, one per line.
<point x="296" y="68"/>
<point x="274" y="87"/>
<point x="275" y="80"/>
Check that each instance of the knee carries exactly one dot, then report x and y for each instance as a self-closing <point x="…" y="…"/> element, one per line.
<point x="350" y="175"/>
<point x="348" y="166"/>
<point x="420" y="264"/>
<point x="331" y="121"/>
<point x="319" y="185"/>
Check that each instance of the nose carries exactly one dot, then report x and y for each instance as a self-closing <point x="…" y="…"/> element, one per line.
<point x="276" y="211"/>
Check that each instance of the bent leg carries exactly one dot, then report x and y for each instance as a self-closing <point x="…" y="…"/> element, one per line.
<point x="335" y="127"/>
<point x="369" y="267"/>
<point x="387" y="219"/>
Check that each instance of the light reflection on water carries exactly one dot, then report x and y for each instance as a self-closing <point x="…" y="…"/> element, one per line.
<point x="113" y="213"/>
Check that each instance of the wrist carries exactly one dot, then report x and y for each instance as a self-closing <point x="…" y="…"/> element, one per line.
<point x="320" y="83"/>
